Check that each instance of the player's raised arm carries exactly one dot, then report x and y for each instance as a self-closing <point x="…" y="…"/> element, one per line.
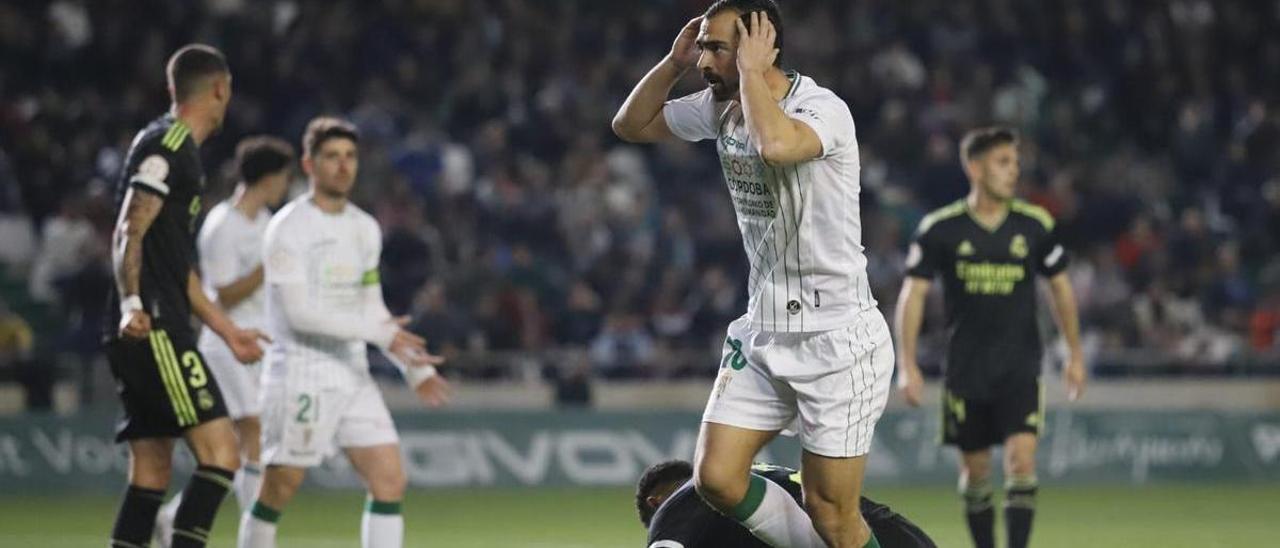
<point x="779" y="139"/>
<point x="139" y="210"/>
<point x="640" y="119"/>
<point x="1065" y="313"/>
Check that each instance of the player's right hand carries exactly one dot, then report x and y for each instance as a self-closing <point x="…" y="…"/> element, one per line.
<point x="135" y="325"/>
<point x="911" y="384"/>
<point x="244" y="345"/>
<point x="407" y="344"/>
<point x="684" y="52"/>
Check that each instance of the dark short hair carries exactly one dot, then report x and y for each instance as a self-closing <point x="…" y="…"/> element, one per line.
<point x="745" y="8"/>
<point x="655" y="476"/>
<point x="262" y="155"/>
<point x="323" y="128"/>
<point x="190" y="65"/>
<point x="978" y="141"/>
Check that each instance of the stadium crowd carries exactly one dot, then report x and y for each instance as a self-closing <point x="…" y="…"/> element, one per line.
<point x="515" y="221"/>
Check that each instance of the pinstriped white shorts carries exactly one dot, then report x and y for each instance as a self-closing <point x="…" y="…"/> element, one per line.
<point x="827" y="387"/>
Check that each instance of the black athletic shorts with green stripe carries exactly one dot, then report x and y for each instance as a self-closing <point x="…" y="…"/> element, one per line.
<point x="163" y="384"/>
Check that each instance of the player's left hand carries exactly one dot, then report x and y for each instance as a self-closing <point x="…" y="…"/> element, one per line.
<point x="244" y="345"/>
<point x="755" y="44"/>
<point x="1075" y="376"/>
<point x="435" y="391"/>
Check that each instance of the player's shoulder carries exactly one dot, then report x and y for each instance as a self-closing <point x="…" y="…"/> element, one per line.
<point x="364" y="219"/>
<point x="944" y="215"/>
<point x="282" y="223"/>
<point x="216" y="219"/>
<point x="1031" y="212"/>
<point x="164" y="135"/>
<point x="806" y="90"/>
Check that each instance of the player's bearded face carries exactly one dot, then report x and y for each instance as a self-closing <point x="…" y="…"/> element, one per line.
<point x="718" y="58"/>
<point x="333" y="167"/>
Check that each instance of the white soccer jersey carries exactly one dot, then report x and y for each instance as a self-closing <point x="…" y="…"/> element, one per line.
<point x="801" y="223"/>
<point x="230" y="247"/>
<point x="335" y="257"/>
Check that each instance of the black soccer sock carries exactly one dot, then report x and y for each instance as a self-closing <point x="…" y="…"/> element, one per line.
<point x="200" y="501"/>
<point x="979" y="512"/>
<point x="1019" y="509"/>
<point x="136" y="518"/>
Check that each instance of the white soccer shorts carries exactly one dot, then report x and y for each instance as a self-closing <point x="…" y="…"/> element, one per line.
<point x="302" y="426"/>
<point x="835" y="383"/>
<point x="240" y="384"/>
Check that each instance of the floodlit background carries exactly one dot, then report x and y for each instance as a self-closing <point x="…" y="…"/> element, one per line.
<point x="581" y="285"/>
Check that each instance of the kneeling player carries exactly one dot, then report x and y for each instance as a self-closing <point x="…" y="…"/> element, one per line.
<point x="677" y="517"/>
<point x="324" y="303"/>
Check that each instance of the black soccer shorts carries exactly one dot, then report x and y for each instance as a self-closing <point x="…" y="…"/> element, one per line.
<point x="1014" y="407"/>
<point x="163" y="384"/>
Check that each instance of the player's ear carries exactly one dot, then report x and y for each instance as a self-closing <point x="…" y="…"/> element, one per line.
<point x="653" y="501"/>
<point x="307" y="165"/>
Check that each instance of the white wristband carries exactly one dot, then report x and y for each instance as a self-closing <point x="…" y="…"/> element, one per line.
<point x="129" y="304"/>
<point x="416" y="375"/>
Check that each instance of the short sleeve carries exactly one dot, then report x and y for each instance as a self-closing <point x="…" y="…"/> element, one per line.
<point x="218" y="261"/>
<point x="1051" y="256"/>
<point x="283" y="259"/>
<point x="923" y="257"/>
<point x="692" y="117"/>
<point x="828" y="117"/>
<point x="155" y="171"/>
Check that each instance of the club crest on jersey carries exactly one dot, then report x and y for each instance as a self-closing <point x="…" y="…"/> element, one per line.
<point x="793" y="307"/>
<point x="965" y="249"/>
<point x="1018" y="246"/>
<point x="205" y="399"/>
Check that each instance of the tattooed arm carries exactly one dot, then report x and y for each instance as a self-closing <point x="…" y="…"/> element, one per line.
<point x="136" y="215"/>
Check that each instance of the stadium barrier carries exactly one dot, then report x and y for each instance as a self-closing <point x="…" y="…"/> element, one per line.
<point x="556" y="448"/>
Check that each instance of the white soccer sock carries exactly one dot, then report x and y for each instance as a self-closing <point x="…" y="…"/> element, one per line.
<point x="246" y="483"/>
<point x="170" y="509"/>
<point x="258" y="527"/>
<point x="776" y="518"/>
<point x="382" y="526"/>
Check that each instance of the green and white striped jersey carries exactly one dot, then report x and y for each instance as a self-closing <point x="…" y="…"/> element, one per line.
<point x="800" y="224"/>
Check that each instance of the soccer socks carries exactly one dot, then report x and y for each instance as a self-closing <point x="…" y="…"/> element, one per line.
<point x="770" y="513"/>
<point x="258" y="527"/>
<point x="247" y="483"/>
<point x="200" y="501"/>
<point x="1019" y="509"/>
<point x="136" y="517"/>
<point x="979" y="511"/>
<point x="381" y="526"/>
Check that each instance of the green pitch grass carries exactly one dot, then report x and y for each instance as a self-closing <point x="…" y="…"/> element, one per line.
<point x="1189" y="516"/>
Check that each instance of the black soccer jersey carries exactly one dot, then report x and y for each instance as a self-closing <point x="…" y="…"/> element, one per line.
<point x="685" y="521"/>
<point x="989" y="290"/>
<point x="163" y="160"/>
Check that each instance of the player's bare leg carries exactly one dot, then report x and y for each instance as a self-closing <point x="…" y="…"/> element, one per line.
<point x="150" y="467"/>
<point x="722" y="476"/>
<point x="832" y="487"/>
<point x="975" y="488"/>
<point x="1020" y="487"/>
<point x="381" y="469"/>
<point x="213" y="444"/>
<point x="279" y="485"/>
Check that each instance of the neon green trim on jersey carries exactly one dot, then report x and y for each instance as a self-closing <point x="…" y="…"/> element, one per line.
<point x="941" y="214"/>
<point x="1034" y="211"/>
<point x="174" y="138"/>
<point x="371" y="277"/>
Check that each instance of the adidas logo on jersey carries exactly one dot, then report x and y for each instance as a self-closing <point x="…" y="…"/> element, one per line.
<point x="965" y="249"/>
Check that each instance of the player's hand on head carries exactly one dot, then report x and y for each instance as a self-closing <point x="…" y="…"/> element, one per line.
<point x="244" y="344"/>
<point x="136" y="325"/>
<point x="684" y="51"/>
<point x="755" y="43"/>
<point x="435" y="391"/>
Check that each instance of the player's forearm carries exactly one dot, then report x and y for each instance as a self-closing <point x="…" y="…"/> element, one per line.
<point x="773" y="131"/>
<point x="209" y="313"/>
<point x="303" y="318"/>
<point x="236" y="292"/>
<point x="646" y="100"/>
<point x="908" y="317"/>
<point x="137" y="214"/>
<point x="1065" y="311"/>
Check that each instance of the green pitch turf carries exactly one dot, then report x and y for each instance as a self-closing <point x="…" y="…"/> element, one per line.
<point x="1198" y="516"/>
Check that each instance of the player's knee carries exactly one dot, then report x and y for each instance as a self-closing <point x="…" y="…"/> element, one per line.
<point x="151" y="473"/>
<point x="720" y="488"/>
<point x="222" y="456"/>
<point x="279" y="485"/>
<point x="840" y="523"/>
<point x="389" y="485"/>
